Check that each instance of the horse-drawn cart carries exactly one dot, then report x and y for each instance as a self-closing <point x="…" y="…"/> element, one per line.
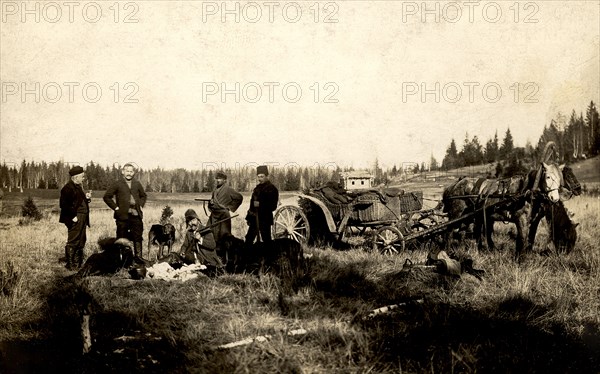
<point x="389" y="216"/>
<point x="393" y="220"/>
<point x="397" y="218"/>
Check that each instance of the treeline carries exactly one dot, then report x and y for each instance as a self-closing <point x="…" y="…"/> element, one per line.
<point x="54" y="175"/>
<point x="576" y="138"/>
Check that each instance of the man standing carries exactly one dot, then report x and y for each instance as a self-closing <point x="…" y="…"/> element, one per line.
<point x="130" y="198"/>
<point x="75" y="214"/>
<point x="224" y="200"/>
<point x="262" y="204"/>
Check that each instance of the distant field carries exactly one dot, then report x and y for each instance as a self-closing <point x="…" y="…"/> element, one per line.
<point x="47" y="200"/>
<point x="588" y="171"/>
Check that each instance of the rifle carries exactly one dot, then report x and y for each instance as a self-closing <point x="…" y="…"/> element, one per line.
<point x="206" y="229"/>
<point x="204" y="201"/>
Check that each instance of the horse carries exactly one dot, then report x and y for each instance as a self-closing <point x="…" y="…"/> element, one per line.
<point x="562" y="230"/>
<point x="520" y="194"/>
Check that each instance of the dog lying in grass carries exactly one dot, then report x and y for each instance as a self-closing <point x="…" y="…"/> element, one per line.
<point x="116" y="254"/>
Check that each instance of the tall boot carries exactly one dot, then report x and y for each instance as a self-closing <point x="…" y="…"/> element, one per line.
<point x="137" y="249"/>
<point x="69" y="257"/>
<point x="78" y="258"/>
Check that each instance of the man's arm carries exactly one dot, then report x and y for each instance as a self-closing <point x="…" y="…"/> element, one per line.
<point x="143" y="195"/>
<point x="236" y="199"/>
<point x="208" y="241"/>
<point x="108" y="196"/>
<point x="67" y="201"/>
<point x="272" y="198"/>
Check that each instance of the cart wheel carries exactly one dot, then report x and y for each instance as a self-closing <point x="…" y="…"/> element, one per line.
<point x="388" y="240"/>
<point x="291" y="222"/>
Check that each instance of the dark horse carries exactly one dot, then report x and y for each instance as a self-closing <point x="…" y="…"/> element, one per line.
<point x="523" y="200"/>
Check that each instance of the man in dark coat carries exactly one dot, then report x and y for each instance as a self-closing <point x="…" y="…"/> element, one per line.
<point x="199" y="243"/>
<point x="224" y="200"/>
<point x="262" y="204"/>
<point x="130" y="198"/>
<point x="75" y="214"/>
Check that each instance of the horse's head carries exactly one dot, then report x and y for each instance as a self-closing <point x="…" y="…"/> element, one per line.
<point x="551" y="181"/>
<point x="570" y="181"/>
<point x="563" y="228"/>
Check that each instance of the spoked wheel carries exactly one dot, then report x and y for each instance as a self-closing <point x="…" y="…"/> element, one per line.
<point x="388" y="240"/>
<point x="291" y="222"/>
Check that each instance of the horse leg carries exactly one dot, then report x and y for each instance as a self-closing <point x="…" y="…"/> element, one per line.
<point x="478" y="230"/>
<point x="537" y="213"/>
<point x="489" y="230"/>
<point x="522" y="244"/>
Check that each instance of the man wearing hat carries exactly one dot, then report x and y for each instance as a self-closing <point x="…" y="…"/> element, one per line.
<point x="75" y="214"/>
<point x="130" y="199"/>
<point x="198" y="242"/>
<point x="224" y="200"/>
<point x="262" y="204"/>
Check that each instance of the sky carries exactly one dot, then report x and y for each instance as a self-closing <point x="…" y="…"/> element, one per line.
<point x="194" y="83"/>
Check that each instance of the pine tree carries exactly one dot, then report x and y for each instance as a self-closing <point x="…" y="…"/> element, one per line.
<point x="507" y="145"/>
<point x="30" y="210"/>
<point x="451" y="159"/>
<point x="592" y="121"/>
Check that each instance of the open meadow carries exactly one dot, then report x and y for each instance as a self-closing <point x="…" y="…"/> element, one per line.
<point x="537" y="316"/>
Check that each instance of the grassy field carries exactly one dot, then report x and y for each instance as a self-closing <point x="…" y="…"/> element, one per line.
<point x="537" y="316"/>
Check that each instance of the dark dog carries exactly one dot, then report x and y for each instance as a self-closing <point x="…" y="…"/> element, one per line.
<point x="163" y="236"/>
<point x="231" y="250"/>
<point x="282" y="257"/>
<point x="116" y="254"/>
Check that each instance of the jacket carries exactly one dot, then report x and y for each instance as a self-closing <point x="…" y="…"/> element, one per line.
<point x="121" y="190"/>
<point x="71" y="198"/>
<point x="268" y="196"/>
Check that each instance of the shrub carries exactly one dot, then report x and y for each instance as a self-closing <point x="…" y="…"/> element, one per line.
<point x="166" y="215"/>
<point x="30" y="210"/>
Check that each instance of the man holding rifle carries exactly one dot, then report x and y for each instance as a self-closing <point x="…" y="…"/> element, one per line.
<point x="260" y="214"/>
<point x="199" y="241"/>
<point x="223" y="201"/>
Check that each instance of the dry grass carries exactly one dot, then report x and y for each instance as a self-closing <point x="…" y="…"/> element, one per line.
<point x="539" y="316"/>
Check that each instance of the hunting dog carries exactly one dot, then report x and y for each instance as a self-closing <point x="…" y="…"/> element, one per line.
<point x="282" y="257"/>
<point x="163" y="236"/>
<point x="116" y="254"/>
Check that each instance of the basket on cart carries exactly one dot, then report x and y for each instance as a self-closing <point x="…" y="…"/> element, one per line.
<point x="373" y="207"/>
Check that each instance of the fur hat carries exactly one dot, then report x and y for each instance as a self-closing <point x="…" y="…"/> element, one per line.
<point x="75" y="170"/>
<point x="190" y="214"/>
<point x="221" y="175"/>
<point x="262" y="169"/>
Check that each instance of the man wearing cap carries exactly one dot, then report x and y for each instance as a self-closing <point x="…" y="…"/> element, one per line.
<point x="130" y="199"/>
<point x="199" y="243"/>
<point x="262" y="204"/>
<point x="224" y="200"/>
<point x="75" y="214"/>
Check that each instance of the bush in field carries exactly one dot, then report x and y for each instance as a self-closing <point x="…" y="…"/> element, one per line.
<point x="166" y="215"/>
<point x="30" y="211"/>
<point x="591" y="191"/>
<point x="9" y="278"/>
